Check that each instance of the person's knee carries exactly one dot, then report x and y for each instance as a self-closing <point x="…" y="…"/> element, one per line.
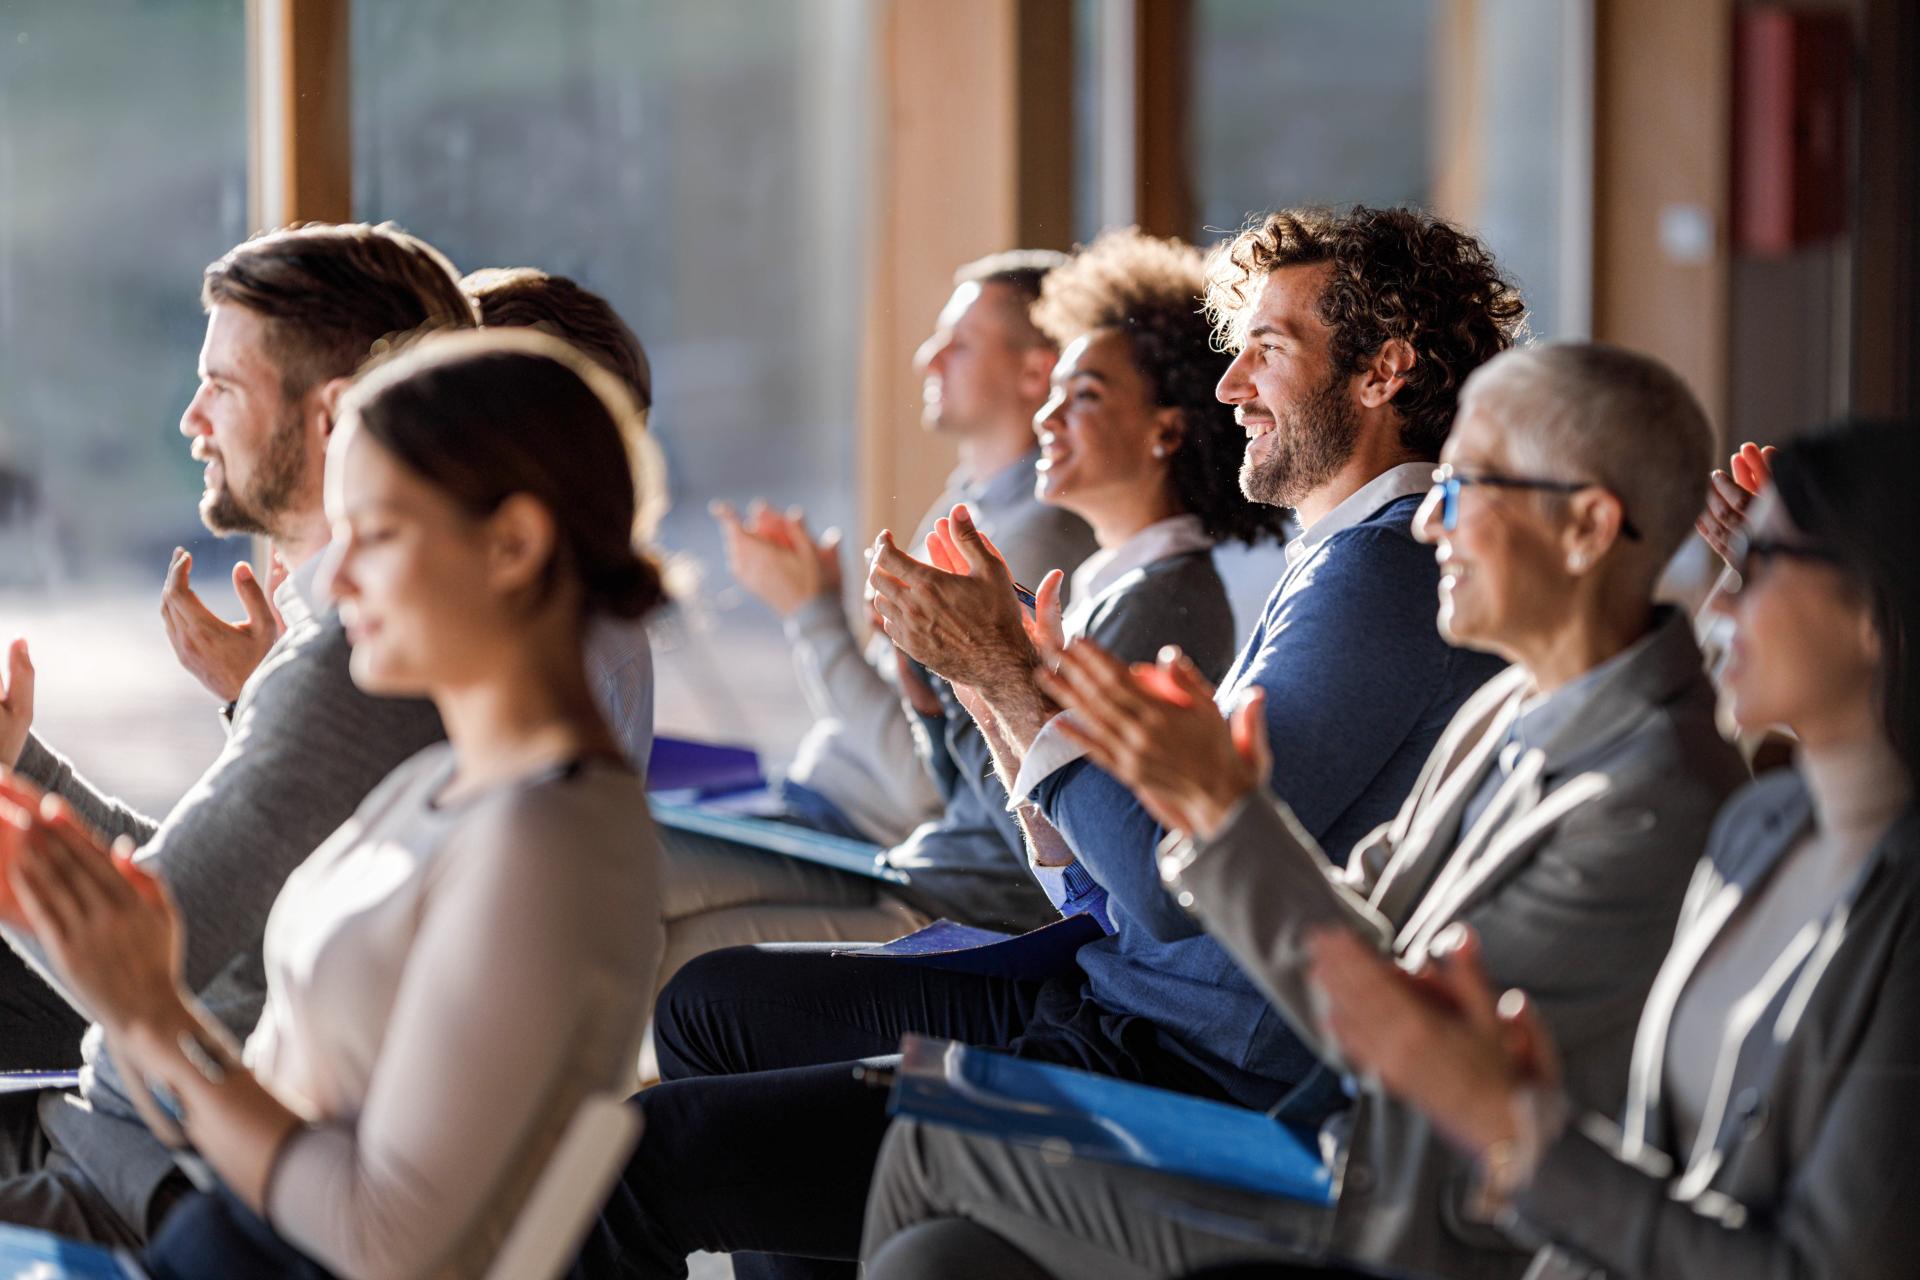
<point x="950" y="1249"/>
<point x="898" y="1197"/>
<point x="688" y="1037"/>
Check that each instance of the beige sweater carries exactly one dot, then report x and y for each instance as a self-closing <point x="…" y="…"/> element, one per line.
<point x="444" y="985"/>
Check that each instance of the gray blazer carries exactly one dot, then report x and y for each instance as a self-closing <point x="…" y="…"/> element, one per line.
<point x="1574" y="896"/>
<point x="1810" y="1169"/>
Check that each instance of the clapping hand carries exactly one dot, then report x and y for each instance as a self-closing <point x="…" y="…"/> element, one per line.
<point x="776" y="558"/>
<point x="109" y="928"/>
<point x="16" y="708"/>
<point x="217" y="653"/>
<point x="1729" y="496"/>
<point x="1439" y="1039"/>
<point x="1045" y="626"/>
<point x="1156" y="729"/>
<point x="962" y="620"/>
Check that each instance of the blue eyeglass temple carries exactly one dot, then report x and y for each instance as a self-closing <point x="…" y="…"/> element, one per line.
<point x="1449" y="503"/>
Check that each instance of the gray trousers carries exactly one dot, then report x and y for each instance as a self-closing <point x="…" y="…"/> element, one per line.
<point x="1063" y="1216"/>
<point x="41" y="1186"/>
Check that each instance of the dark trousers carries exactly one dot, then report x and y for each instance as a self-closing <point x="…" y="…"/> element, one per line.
<point x="761" y="1141"/>
<point x="1284" y="1271"/>
<point x="39" y="1030"/>
<point x="956" y="1249"/>
<point x="760" y="1138"/>
<point x="215" y="1237"/>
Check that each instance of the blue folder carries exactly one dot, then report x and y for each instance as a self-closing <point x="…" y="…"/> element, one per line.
<point x="35" y="1081"/>
<point x="712" y="789"/>
<point x="1039" y="1104"/>
<point x="856" y="856"/>
<point x="36" y="1255"/>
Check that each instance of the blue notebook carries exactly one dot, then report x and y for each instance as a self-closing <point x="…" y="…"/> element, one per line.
<point x="1101" y="1118"/>
<point x="36" y="1255"/>
<point x="1035" y="955"/>
<point x="701" y="768"/>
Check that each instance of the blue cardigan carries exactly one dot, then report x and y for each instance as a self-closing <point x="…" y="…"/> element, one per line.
<point x="1359" y="686"/>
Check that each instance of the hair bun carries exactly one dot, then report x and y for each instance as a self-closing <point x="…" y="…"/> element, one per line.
<point x="629" y="587"/>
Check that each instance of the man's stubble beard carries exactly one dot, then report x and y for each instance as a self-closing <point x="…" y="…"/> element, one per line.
<point x="1308" y="448"/>
<point x="279" y="477"/>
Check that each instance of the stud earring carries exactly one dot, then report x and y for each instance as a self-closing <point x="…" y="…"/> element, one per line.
<point x="1577" y="562"/>
<point x="1159" y="451"/>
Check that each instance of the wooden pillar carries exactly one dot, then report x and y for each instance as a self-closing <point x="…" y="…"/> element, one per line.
<point x="1886" y="264"/>
<point x="1662" y="176"/>
<point x="1163" y="65"/>
<point x="973" y="155"/>
<point x="300" y="117"/>
<point x="1044" y="72"/>
<point x="1457" y="130"/>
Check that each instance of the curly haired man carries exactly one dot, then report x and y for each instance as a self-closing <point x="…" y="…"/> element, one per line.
<point x="1351" y="333"/>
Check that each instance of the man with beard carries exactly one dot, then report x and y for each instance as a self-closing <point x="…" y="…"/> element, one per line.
<point x="1353" y="333"/>
<point x="291" y="315"/>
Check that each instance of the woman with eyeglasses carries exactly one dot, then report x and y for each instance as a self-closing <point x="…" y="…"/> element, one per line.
<point x="1560" y="815"/>
<point x="1770" y="1124"/>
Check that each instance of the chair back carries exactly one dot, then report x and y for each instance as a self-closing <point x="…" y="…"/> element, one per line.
<point x="546" y="1236"/>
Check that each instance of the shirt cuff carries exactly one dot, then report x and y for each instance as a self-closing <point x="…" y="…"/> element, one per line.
<point x="1073" y="891"/>
<point x="1053" y="883"/>
<point x="36" y="763"/>
<point x="1051" y="752"/>
<point x="818" y="617"/>
<point x="1178" y="852"/>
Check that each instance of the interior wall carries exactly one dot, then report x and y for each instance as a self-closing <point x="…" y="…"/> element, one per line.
<point x="1788" y="365"/>
<point x="1886" y="282"/>
<point x="1661" y="186"/>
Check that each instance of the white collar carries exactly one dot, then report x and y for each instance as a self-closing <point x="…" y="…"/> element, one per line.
<point x="294" y="598"/>
<point x="1161" y="540"/>
<point x="1390" y="485"/>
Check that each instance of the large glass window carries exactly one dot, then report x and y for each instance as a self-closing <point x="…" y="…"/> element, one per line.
<point x="122" y="174"/>
<point x="702" y="166"/>
<point x="1398" y="102"/>
<point x="1479" y="108"/>
<point x="1309" y="102"/>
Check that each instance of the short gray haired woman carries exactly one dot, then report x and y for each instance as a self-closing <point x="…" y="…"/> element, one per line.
<point x="1560" y="815"/>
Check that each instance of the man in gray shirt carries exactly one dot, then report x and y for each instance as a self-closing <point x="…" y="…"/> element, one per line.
<point x="290" y="316"/>
<point x="986" y="368"/>
<point x="858" y="773"/>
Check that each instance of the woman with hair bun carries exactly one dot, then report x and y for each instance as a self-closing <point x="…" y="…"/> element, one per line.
<point x="457" y="967"/>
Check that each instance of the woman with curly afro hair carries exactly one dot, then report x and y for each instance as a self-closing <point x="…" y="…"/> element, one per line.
<point x="1133" y="441"/>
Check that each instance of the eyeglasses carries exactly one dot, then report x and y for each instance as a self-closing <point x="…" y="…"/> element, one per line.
<point x="1748" y="556"/>
<point x="1448" y="483"/>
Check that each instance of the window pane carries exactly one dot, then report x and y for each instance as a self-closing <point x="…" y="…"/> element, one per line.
<point x="1338" y="101"/>
<point x="1309" y="102"/>
<point x="703" y="168"/>
<point x="123" y="168"/>
<point x="1525" y="145"/>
